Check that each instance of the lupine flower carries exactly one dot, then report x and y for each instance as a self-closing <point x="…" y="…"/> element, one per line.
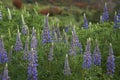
<point x="75" y="39"/>
<point x="97" y="55"/>
<point x="67" y="70"/>
<point x="5" y="73"/>
<point x="74" y="42"/>
<point x="110" y="62"/>
<point x="50" y="55"/>
<point x="26" y="49"/>
<point x="66" y="29"/>
<point x="86" y="25"/>
<point x="116" y="21"/>
<point x="46" y="37"/>
<point x="33" y="31"/>
<point x="33" y="43"/>
<point x="0" y="15"/>
<point x="72" y="50"/>
<point x="18" y="45"/>
<point x="9" y="14"/>
<point x="24" y="29"/>
<point x="118" y="15"/>
<point x="87" y="56"/>
<point x="24" y="26"/>
<point x="32" y="66"/>
<point x="105" y="15"/>
<point x="58" y="31"/>
<point x="3" y="53"/>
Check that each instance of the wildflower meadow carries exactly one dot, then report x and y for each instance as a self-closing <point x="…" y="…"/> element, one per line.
<point x="37" y="47"/>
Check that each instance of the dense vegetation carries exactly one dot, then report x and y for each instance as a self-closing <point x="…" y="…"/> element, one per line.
<point x="52" y="61"/>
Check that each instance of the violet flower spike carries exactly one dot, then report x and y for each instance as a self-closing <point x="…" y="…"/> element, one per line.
<point x="67" y="70"/>
<point x="46" y="37"/>
<point x="97" y="55"/>
<point x="5" y="73"/>
<point x="18" y="45"/>
<point x="26" y="49"/>
<point x="32" y="66"/>
<point x="3" y="53"/>
<point x="87" y="56"/>
<point x="86" y="25"/>
<point x="110" y="61"/>
<point x="105" y="15"/>
<point x="50" y="55"/>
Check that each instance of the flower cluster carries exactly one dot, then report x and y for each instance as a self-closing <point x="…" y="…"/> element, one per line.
<point x="74" y="42"/>
<point x="67" y="70"/>
<point x="87" y="56"/>
<point x="50" y="55"/>
<point x="26" y="49"/>
<point x="105" y="15"/>
<point x="32" y="66"/>
<point x="117" y="20"/>
<point x="18" y="45"/>
<point x="5" y="73"/>
<point x="3" y="53"/>
<point x="46" y="37"/>
<point x="24" y="29"/>
<point x="33" y="43"/>
<point x="110" y="61"/>
<point x="97" y="55"/>
<point x="86" y="24"/>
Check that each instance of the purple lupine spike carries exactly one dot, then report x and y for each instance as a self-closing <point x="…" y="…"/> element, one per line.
<point x="116" y="21"/>
<point x="24" y="29"/>
<point x="46" y="37"/>
<point x="97" y="55"/>
<point x="86" y="25"/>
<point x="26" y="49"/>
<point x="67" y="70"/>
<point x="119" y="15"/>
<point x="33" y="31"/>
<point x="110" y="62"/>
<point x="75" y="39"/>
<point x="87" y="60"/>
<point x="87" y="56"/>
<point x="105" y="15"/>
<point x="66" y="29"/>
<point x="0" y="15"/>
<point x="3" y="53"/>
<point x="5" y="73"/>
<point x="33" y="43"/>
<point x="72" y="50"/>
<point x="33" y="53"/>
<point x="18" y="45"/>
<point x="32" y="66"/>
<point x="50" y="55"/>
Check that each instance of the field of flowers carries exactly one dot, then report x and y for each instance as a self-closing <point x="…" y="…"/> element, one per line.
<point x="35" y="47"/>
